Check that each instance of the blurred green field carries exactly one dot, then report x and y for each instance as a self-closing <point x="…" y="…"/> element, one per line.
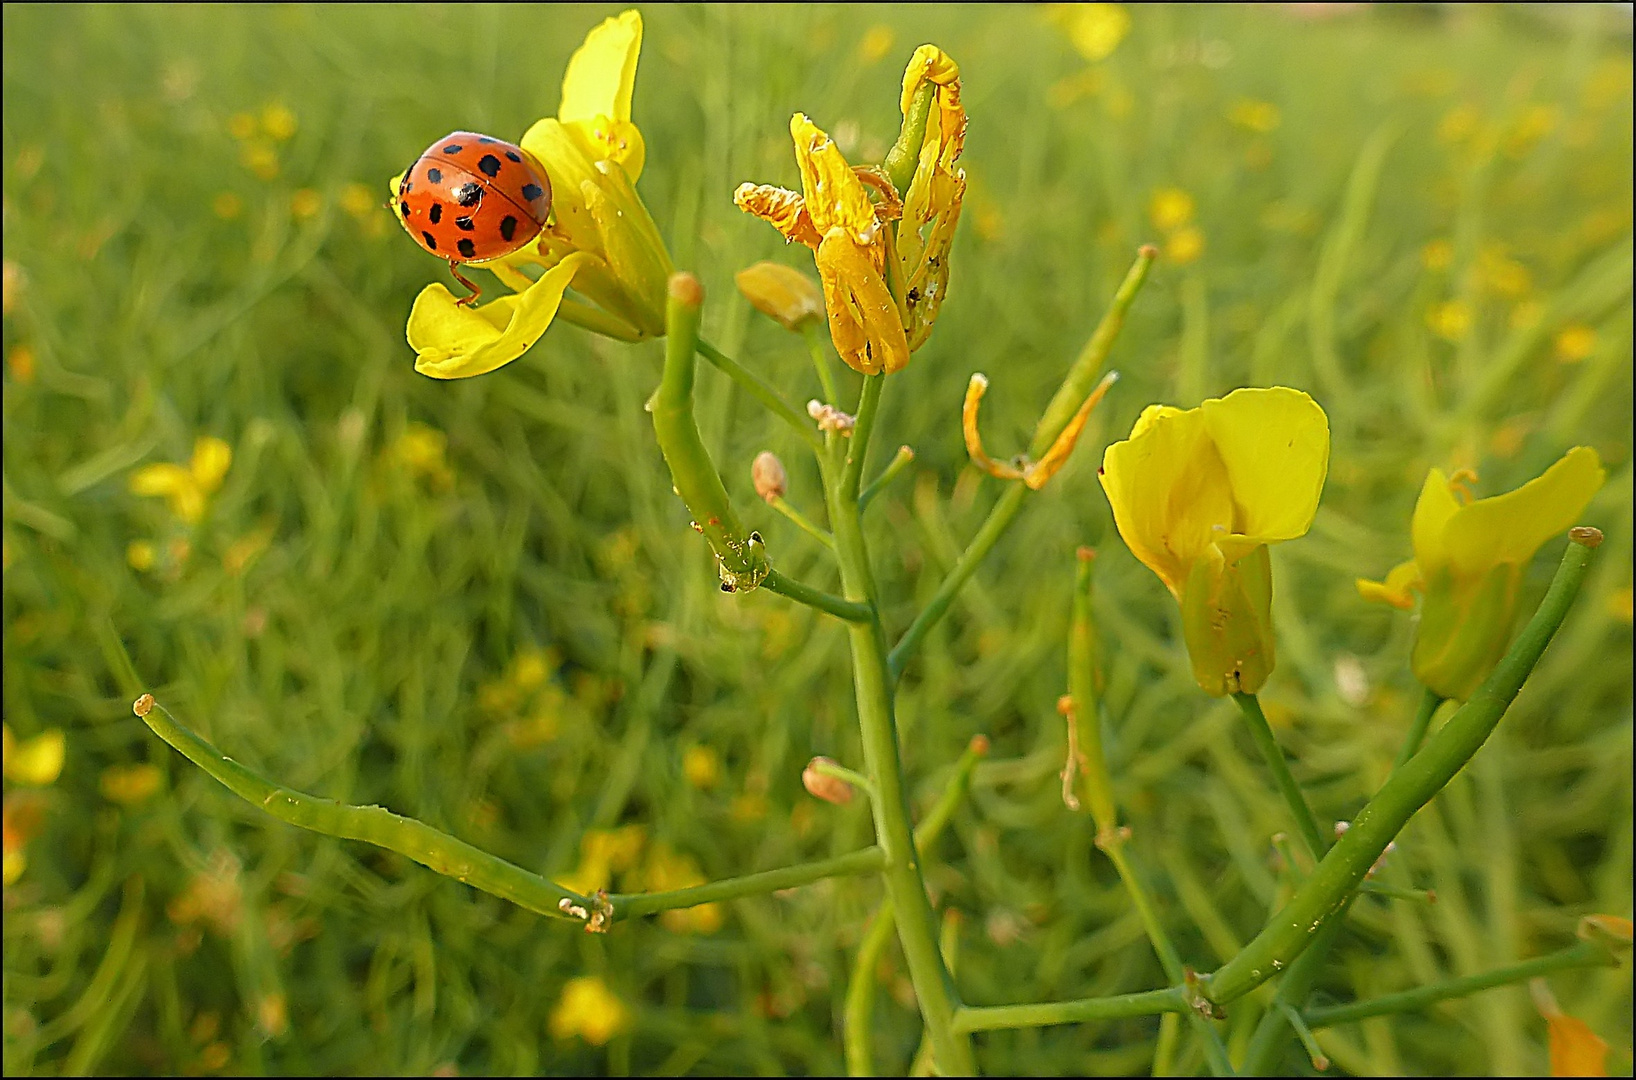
<point x="479" y="602"/>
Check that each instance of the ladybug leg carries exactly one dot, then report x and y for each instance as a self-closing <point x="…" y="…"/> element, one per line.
<point x="465" y="301"/>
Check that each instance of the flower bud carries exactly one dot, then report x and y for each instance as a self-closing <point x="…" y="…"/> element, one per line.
<point x="768" y="475"/>
<point x="820" y="785"/>
<point x="781" y="293"/>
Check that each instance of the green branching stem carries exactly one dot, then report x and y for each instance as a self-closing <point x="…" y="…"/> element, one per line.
<point x="810" y="333"/>
<point x="1075" y="388"/>
<point x="633" y="905"/>
<point x="372" y="824"/>
<point x="782" y="505"/>
<point x="802" y="593"/>
<point x="762" y="391"/>
<point x="1260" y="731"/>
<point x="1147" y="1003"/>
<point x="1583" y="954"/>
<point x="893" y="470"/>
<point x="860" y="991"/>
<point x="1429" y="702"/>
<point x="1324" y="893"/>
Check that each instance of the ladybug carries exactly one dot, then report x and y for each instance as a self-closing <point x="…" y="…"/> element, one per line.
<point x="471" y="198"/>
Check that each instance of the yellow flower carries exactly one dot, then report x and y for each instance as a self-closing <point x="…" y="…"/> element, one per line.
<point x="1252" y="115"/>
<point x="1574" y="343"/>
<point x="1449" y="320"/>
<point x="1170" y="209"/>
<point x="781" y="293"/>
<point x="1185" y="245"/>
<point x="667" y="870"/>
<point x="1468" y="563"/>
<point x="1437" y="254"/>
<point x="882" y="254"/>
<point x="130" y="784"/>
<point x="36" y="762"/>
<point x="278" y="122"/>
<point x="1094" y="29"/>
<point x="1576" y="1050"/>
<point x="1199" y="494"/>
<point x="187" y="490"/>
<point x="601" y="239"/>
<point x="702" y="766"/>
<point x="590" y="1010"/>
<point x="305" y="203"/>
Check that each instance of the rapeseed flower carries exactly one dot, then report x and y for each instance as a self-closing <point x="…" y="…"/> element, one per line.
<point x="601" y="240"/>
<point x="186" y="489"/>
<point x="1199" y="494"/>
<point x="590" y="1010"/>
<point x="1469" y="558"/>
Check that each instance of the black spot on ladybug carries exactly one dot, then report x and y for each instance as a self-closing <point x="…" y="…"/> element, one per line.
<point x="405" y="208"/>
<point x="508" y="226"/>
<point x="435" y="175"/>
<point x="467" y="248"/>
<point x="490" y="166"/>
<point x="431" y="241"/>
<point x="468" y="194"/>
<point x="464" y="223"/>
<point x="514" y="157"/>
<point x="437" y="212"/>
<point x="532" y="191"/>
<point x="453" y="148"/>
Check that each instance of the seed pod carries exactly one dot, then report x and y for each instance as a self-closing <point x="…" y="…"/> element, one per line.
<point x="768" y="475"/>
<point x="831" y="789"/>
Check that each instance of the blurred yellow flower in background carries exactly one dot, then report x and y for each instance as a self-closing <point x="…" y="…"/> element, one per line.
<point x="1198" y="496"/>
<point x="876" y="42"/>
<point x="1252" y="115"/>
<point x="35" y="762"/>
<point x="278" y="122"/>
<point x="702" y="766"/>
<point x="1469" y="558"/>
<point x="587" y="1008"/>
<point x="130" y="784"/>
<point x="1437" y="254"/>
<point x="1574" y="343"/>
<point x="1449" y="320"/>
<point x="1575" y="1049"/>
<point x="187" y="489"/>
<point x="1095" y="30"/>
<point x="1184" y="245"/>
<point x="305" y="203"/>
<point x="666" y="870"/>
<point x="604" y="853"/>
<point x="1170" y="209"/>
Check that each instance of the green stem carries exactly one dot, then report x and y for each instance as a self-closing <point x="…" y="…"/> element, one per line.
<point x="372" y="824"/>
<point x="633" y="905"/>
<point x="762" y="391"/>
<point x="597" y="321"/>
<point x="860" y="991"/>
<point x="894" y="468"/>
<point x="1584" y="954"/>
<point x="1429" y="701"/>
<point x="1315" y="1053"/>
<point x="1147" y="1003"/>
<point x="820" y="361"/>
<point x="917" y="926"/>
<point x="1323" y="895"/>
<point x="1261" y="732"/>
<point x="782" y="505"/>
<point x="802" y="593"/>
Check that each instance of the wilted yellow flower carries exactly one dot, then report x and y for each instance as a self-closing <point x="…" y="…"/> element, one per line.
<point x="590" y="1010"/>
<point x="782" y="293"/>
<point x="35" y="762"/>
<point x="1258" y="116"/>
<point x="883" y="283"/>
<point x="187" y="490"/>
<point x="130" y="784"/>
<point x="278" y="122"/>
<point x="1170" y="209"/>
<point x="1184" y="245"/>
<point x="702" y="766"/>
<point x="1094" y="29"/>
<point x="305" y="204"/>
<point x="1450" y="320"/>
<point x="601" y="239"/>
<point x="1574" y="343"/>
<point x="1468" y="563"/>
<point x="1199" y="494"/>
<point x="1437" y="254"/>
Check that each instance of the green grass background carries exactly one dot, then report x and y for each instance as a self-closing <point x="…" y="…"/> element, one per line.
<point x="348" y="658"/>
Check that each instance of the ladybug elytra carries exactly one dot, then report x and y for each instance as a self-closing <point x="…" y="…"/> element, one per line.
<point x="471" y="198"/>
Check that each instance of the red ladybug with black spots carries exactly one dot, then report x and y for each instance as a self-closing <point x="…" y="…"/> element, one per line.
<point x="471" y="198"/>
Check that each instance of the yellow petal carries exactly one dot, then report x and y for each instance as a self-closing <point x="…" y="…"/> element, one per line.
<point x="781" y="208"/>
<point x="1274" y="443"/>
<point x="454" y="342"/>
<point x="834" y="196"/>
<point x="605" y="139"/>
<point x="1395" y="590"/>
<point x="602" y="72"/>
<point x="863" y="320"/>
<point x="160" y="479"/>
<point x="1576" y="1050"/>
<point x="211" y="459"/>
<point x="1432" y="513"/>
<point x="563" y="153"/>
<point x="928" y="64"/>
<point x="38" y="761"/>
<point x="1511" y="527"/>
<point x="1169" y="491"/>
<point x="781" y="292"/>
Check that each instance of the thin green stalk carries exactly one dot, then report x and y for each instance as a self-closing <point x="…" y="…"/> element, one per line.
<point x="917" y="927"/>
<point x="894" y="468"/>
<point x="372" y="824"/>
<point x="762" y="391"/>
<point x="1582" y="954"/>
<point x="597" y="320"/>
<point x="1172" y="999"/>
<point x="1315" y="1053"/>
<point x="1261" y="732"/>
<point x="1076" y="386"/>
<point x="632" y="905"/>
<point x="802" y="593"/>
<point x="820" y="360"/>
<point x="1429" y="701"/>
<point x="782" y="505"/>
<point x="1324" y="893"/>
